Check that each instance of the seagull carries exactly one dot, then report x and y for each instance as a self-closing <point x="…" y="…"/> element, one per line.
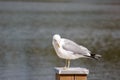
<point x="69" y="50"/>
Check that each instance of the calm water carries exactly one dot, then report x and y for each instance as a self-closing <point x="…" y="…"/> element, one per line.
<point x="26" y="30"/>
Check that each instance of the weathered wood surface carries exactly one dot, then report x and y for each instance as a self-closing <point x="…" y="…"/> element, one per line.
<point x="71" y="73"/>
<point x="76" y="70"/>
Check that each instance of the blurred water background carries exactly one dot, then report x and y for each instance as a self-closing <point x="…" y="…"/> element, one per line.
<point x="26" y="30"/>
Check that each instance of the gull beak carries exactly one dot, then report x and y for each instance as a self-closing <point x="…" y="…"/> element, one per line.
<point x="58" y="45"/>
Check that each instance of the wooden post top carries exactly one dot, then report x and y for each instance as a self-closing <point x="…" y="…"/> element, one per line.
<point x="73" y="70"/>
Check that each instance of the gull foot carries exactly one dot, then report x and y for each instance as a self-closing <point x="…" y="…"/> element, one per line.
<point x="65" y="68"/>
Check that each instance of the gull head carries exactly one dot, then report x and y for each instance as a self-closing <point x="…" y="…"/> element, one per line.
<point x="56" y="40"/>
<point x="56" y="37"/>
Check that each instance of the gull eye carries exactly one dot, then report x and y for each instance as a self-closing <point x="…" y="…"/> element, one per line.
<point x="55" y="40"/>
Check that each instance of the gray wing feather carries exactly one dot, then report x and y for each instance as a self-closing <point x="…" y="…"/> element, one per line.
<point x="75" y="48"/>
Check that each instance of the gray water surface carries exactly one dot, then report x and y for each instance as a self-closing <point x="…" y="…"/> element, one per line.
<point x="26" y="31"/>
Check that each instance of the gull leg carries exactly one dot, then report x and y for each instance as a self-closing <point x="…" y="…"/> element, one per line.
<point x="68" y="65"/>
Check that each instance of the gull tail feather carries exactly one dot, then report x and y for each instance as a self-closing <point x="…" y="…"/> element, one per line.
<point x="95" y="56"/>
